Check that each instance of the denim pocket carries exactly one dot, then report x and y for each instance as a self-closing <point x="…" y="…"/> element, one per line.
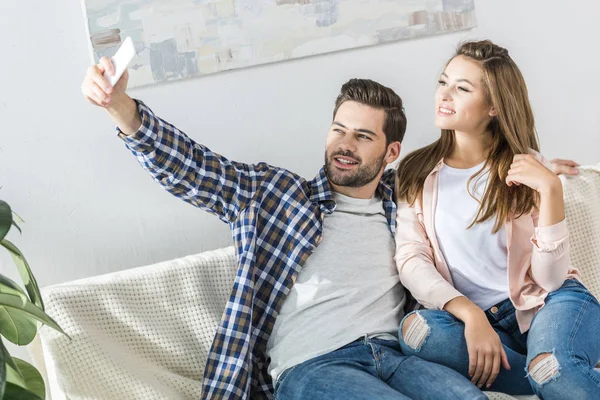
<point x="503" y="310"/>
<point x="506" y="319"/>
<point x="281" y="380"/>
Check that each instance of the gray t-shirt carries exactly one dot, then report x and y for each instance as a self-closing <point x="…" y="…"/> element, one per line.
<point x="348" y="288"/>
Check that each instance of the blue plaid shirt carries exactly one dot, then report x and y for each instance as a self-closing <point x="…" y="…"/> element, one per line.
<point x="276" y="218"/>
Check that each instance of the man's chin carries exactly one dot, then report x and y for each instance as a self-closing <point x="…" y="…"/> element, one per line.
<point x="343" y="180"/>
<point x="338" y="177"/>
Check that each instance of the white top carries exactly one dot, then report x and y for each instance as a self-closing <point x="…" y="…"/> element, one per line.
<point x="348" y="288"/>
<point x="476" y="257"/>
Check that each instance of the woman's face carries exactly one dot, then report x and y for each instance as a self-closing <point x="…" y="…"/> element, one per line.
<point x="461" y="102"/>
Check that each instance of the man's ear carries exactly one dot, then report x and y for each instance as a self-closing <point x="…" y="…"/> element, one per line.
<point x="393" y="152"/>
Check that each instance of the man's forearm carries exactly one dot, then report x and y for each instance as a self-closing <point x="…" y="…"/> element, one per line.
<point x="123" y="111"/>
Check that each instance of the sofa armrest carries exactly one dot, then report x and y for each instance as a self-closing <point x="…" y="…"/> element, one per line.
<point x="139" y="333"/>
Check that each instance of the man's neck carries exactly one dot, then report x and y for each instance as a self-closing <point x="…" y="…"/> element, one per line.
<point x="364" y="192"/>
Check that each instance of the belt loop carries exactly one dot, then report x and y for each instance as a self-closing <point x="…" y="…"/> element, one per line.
<point x="365" y="340"/>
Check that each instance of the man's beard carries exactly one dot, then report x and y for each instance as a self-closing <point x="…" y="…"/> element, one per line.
<point x="361" y="176"/>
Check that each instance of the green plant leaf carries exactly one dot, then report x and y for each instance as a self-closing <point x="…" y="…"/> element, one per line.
<point x="5" y="218"/>
<point x="26" y="307"/>
<point x="14" y="392"/>
<point x="25" y="273"/>
<point x="31" y="387"/>
<point x="14" y="325"/>
<point x="8" y="360"/>
<point x="7" y="285"/>
<point x="14" y="222"/>
<point x="2" y="375"/>
<point x="17" y="327"/>
<point x="17" y="227"/>
<point x="18" y="217"/>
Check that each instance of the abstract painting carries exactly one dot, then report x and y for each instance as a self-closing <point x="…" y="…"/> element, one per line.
<point x="178" y="39"/>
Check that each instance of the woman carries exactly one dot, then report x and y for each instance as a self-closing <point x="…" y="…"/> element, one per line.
<point x="484" y="244"/>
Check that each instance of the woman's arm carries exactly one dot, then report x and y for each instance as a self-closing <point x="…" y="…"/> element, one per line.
<point x="550" y="257"/>
<point x="415" y="261"/>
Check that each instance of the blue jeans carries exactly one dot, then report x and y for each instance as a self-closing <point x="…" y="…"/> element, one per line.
<point x="567" y="328"/>
<point x="372" y="369"/>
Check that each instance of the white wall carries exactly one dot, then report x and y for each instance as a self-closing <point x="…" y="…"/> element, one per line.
<point x="91" y="209"/>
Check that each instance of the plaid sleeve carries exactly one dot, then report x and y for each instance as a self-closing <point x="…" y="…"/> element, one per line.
<point x="191" y="171"/>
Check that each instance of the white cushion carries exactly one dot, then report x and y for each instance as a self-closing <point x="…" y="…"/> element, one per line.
<point x="143" y="333"/>
<point x="582" y="207"/>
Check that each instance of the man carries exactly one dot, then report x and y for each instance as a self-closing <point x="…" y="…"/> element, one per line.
<point x="316" y="303"/>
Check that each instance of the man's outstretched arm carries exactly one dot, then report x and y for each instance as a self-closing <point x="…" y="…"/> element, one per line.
<point x="186" y="169"/>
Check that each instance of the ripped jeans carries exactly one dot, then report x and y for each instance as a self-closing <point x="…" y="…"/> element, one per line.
<point x="372" y="369"/>
<point x="565" y="332"/>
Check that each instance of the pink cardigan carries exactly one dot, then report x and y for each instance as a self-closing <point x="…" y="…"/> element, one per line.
<point x="538" y="257"/>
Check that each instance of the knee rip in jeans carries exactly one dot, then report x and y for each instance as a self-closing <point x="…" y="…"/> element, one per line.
<point x="414" y="331"/>
<point x="544" y="368"/>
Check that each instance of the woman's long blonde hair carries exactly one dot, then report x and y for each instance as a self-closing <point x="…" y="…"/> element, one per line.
<point x="513" y="132"/>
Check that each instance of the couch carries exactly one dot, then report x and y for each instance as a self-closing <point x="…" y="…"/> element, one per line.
<point x="144" y="333"/>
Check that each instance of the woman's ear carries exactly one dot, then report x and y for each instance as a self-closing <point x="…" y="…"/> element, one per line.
<point x="493" y="112"/>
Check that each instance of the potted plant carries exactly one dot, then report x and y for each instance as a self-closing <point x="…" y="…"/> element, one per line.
<point x="21" y="312"/>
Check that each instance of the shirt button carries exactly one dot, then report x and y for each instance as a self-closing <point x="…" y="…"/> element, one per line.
<point x="494" y="310"/>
